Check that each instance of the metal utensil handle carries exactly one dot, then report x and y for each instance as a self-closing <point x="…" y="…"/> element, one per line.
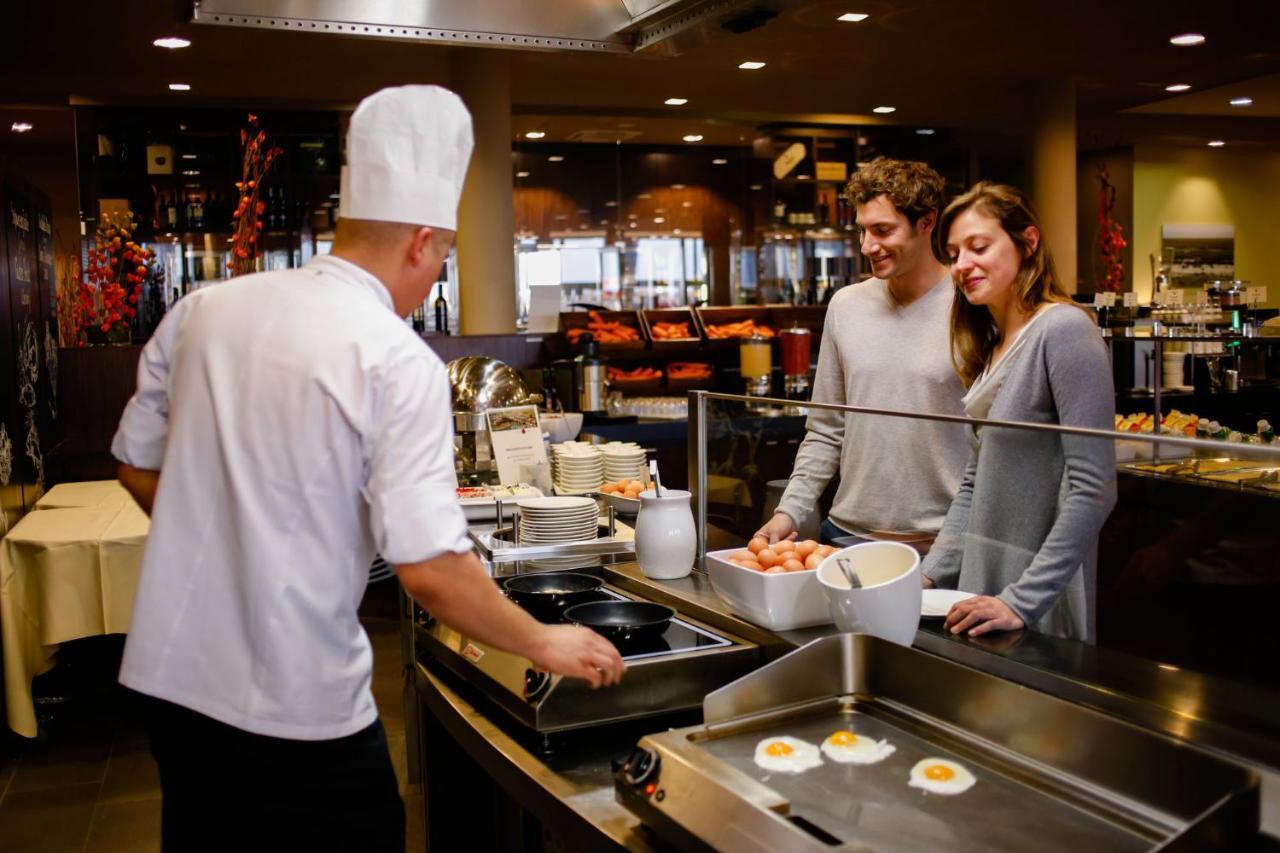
<point x="852" y="576"/>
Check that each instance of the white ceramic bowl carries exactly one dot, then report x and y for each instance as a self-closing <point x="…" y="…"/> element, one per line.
<point x="887" y="604"/>
<point x="622" y="505"/>
<point x="779" y="602"/>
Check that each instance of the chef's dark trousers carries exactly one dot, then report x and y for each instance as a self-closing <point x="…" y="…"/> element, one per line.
<point x="227" y="789"/>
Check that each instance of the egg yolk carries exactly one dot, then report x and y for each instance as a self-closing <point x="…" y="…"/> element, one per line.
<point x="843" y="739"/>
<point x="778" y="749"/>
<point x="939" y="773"/>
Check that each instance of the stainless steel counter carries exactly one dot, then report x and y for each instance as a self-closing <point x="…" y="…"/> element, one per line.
<point x="574" y="793"/>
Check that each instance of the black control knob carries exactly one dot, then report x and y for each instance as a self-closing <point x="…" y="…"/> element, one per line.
<point x="536" y="684"/>
<point x="640" y="767"/>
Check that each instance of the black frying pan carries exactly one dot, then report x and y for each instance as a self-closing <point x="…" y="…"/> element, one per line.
<point x="547" y="594"/>
<point x="622" y="622"/>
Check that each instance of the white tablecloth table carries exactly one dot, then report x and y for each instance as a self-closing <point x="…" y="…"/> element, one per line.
<point x="66" y="572"/>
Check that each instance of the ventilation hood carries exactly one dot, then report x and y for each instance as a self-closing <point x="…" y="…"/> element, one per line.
<point x="597" y="26"/>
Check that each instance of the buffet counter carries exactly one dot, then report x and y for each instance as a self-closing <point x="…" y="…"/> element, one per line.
<point x="568" y="792"/>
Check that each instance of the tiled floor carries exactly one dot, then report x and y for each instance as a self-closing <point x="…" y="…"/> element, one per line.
<point x="92" y="787"/>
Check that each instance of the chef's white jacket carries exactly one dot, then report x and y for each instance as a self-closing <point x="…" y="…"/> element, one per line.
<point x="299" y="425"/>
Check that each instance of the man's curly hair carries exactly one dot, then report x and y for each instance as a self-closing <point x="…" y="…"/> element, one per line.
<point x="914" y="187"/>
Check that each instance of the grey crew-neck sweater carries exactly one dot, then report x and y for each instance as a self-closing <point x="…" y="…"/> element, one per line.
<point x="897" y="475"/>
<point x="1024" y="525"/>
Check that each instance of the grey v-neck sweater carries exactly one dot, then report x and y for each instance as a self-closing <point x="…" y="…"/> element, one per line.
<point x="1024" y="525"/>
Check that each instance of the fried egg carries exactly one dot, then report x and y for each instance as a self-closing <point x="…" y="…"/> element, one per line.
<point x="940" y="776"/>
<point x="787" y="755"/>
<point x="847" y="748"/>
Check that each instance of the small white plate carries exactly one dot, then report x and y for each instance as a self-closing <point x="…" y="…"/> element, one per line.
<point x="937" y="603"/>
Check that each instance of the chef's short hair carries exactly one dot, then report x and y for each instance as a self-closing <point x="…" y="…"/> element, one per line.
<point x="379" y="233"/>
<point x="913" y="187"/>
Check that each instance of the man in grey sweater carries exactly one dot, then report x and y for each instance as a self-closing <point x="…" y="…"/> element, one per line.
<point x="886" y="344"/>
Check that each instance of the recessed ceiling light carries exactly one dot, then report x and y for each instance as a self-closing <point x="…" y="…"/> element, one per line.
<point x="751" y="66"/>
<point x="535" y="134"/>
<point x="191" y="173"/>
<point x="179" y="87"/>
<point x="658" y="220"/>
<point x="21" y="126"/>
<point x="188" y="156"/>
<point x="757" y="187"/>
<point x="555" y="158"/>
<point x="925" y="131"/>
<point x="1187" y="39"/>
<point x="693" y="137"/>
<point x="172" y="42"/>
<point x="610" y="204"/>
<point x="675" y="230"/>
<point x="719" y="161"/>
<point x="645" y="195"/>
<point x="1242" y="102"/>
<point x="522" y="174"/>
<point x="1216" y="143"/>
<point x="659" y="210"/>
<point x="885" y="110"/>
<point x="677" y="186"/>
<point x="676" y="102"/>
<point x="802" y="177"/>
<point x="852" y="17"/>
<point x="1177" y="87"/>
<point x="686" y="204"/>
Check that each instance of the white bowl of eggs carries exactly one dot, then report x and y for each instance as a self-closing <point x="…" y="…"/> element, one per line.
<point x="775" y="587"/>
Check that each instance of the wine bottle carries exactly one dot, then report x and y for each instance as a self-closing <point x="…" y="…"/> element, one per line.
<point x="442" y="311"/>
<point x="197" y="213"/>
<point x="171" y="211"/>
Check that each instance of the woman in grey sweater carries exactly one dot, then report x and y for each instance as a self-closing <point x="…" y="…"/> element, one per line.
<point x="1022" y="532"/>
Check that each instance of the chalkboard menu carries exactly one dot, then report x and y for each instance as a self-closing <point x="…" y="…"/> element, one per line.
<point x="28" y="344"/>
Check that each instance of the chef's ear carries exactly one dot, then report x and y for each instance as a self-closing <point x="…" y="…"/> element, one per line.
<point x="420" y="246"/>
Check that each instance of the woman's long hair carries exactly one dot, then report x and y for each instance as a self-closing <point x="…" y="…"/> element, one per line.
<point x="973" y="330"/>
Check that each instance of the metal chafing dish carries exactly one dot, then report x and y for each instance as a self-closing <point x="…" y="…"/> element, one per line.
<point x="1051" y="775"/>
<point x="478" y="384"/>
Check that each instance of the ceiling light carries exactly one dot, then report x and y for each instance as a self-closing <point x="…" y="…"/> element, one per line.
<point x="885" y="110"/>
<point x="751" y="66"/>
<point x="757" y="187"/>
<point x="645" y="195"/>
<point x="21" y="126"/>
<point x="693" y="137"/>
<point x="1242" y="102"/>
<point x="675" y="230"/>
<point x="535" y="134"/>
<point x="1216" y="143"/>
<point x="926" y="131"/>
<point x="188" y="156"/>
<point x="802" y="177"/>
<point x="677" y="186"/>
<point x="522" y="174"/>
<point x="172" y="42"/>
<point x="179" y="87"/>
<point x="555" y="158"/>
<point x="852" y="17"/>
<point x="719" y="161"/>
<point x="676" y="102"/>
<point x="1177" y="87"/>
<point x="658" y="220"/>
<point x="610" y="204"/>
<point x="686" y="204"/>
<point x="1187" y="40"/>
<point x="191" y="173"/>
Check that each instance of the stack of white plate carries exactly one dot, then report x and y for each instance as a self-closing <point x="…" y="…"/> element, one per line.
<point x="577" y="467"/>
<point x="624" y="461"/>
<point x="550" y="521"/>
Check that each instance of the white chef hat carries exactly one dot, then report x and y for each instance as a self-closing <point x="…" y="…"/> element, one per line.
<point x="407" y="154"/>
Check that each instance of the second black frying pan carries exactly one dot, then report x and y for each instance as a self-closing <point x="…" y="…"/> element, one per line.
<point x="546" y="595"/>
<point x="622" y="622"/>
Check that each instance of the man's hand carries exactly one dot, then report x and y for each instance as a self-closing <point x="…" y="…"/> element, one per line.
<point x="781" y="526"/>
<point x="981" y="614"/>
<point x="578" y="652"/>
<point x="926" y="581"/>
<point x="140" y="483"/>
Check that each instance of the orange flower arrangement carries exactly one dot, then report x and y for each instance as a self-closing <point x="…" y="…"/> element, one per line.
<point x="256" y="162"/>
<point x="107" y="299"/>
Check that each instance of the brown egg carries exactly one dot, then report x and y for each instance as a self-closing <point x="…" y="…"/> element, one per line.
<point x="793" y="565"/>
<point x="805" y="548"/>
<point x="775" y="570"/>
<point x="813" y="561"/>
<point x="757" y="544"/>
<point x="768" y="557"/>
<point x="744" y="555"/>
<point x="751" y="564"/>
<point x="784" y="546"/>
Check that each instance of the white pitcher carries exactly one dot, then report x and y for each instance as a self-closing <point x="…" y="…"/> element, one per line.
<point x="666" y="540"/>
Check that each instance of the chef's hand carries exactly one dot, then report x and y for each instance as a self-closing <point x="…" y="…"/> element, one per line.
<point x="578" y="652"/>
<point x="781" y="526"/>
<point x="981" y="614"/>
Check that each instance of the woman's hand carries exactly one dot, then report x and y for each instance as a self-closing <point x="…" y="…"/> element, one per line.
<point x="981" y="614"/>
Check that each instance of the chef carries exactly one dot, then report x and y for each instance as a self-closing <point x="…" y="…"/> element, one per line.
<point x="287" y="426"/>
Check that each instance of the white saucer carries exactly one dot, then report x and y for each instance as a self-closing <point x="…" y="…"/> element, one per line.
<point x="936" y="603"/>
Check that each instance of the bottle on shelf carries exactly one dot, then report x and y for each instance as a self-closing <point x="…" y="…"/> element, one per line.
<point x="441" y="306"/>
<point x="171" y="211"/>
<point x="197" y="212"/>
